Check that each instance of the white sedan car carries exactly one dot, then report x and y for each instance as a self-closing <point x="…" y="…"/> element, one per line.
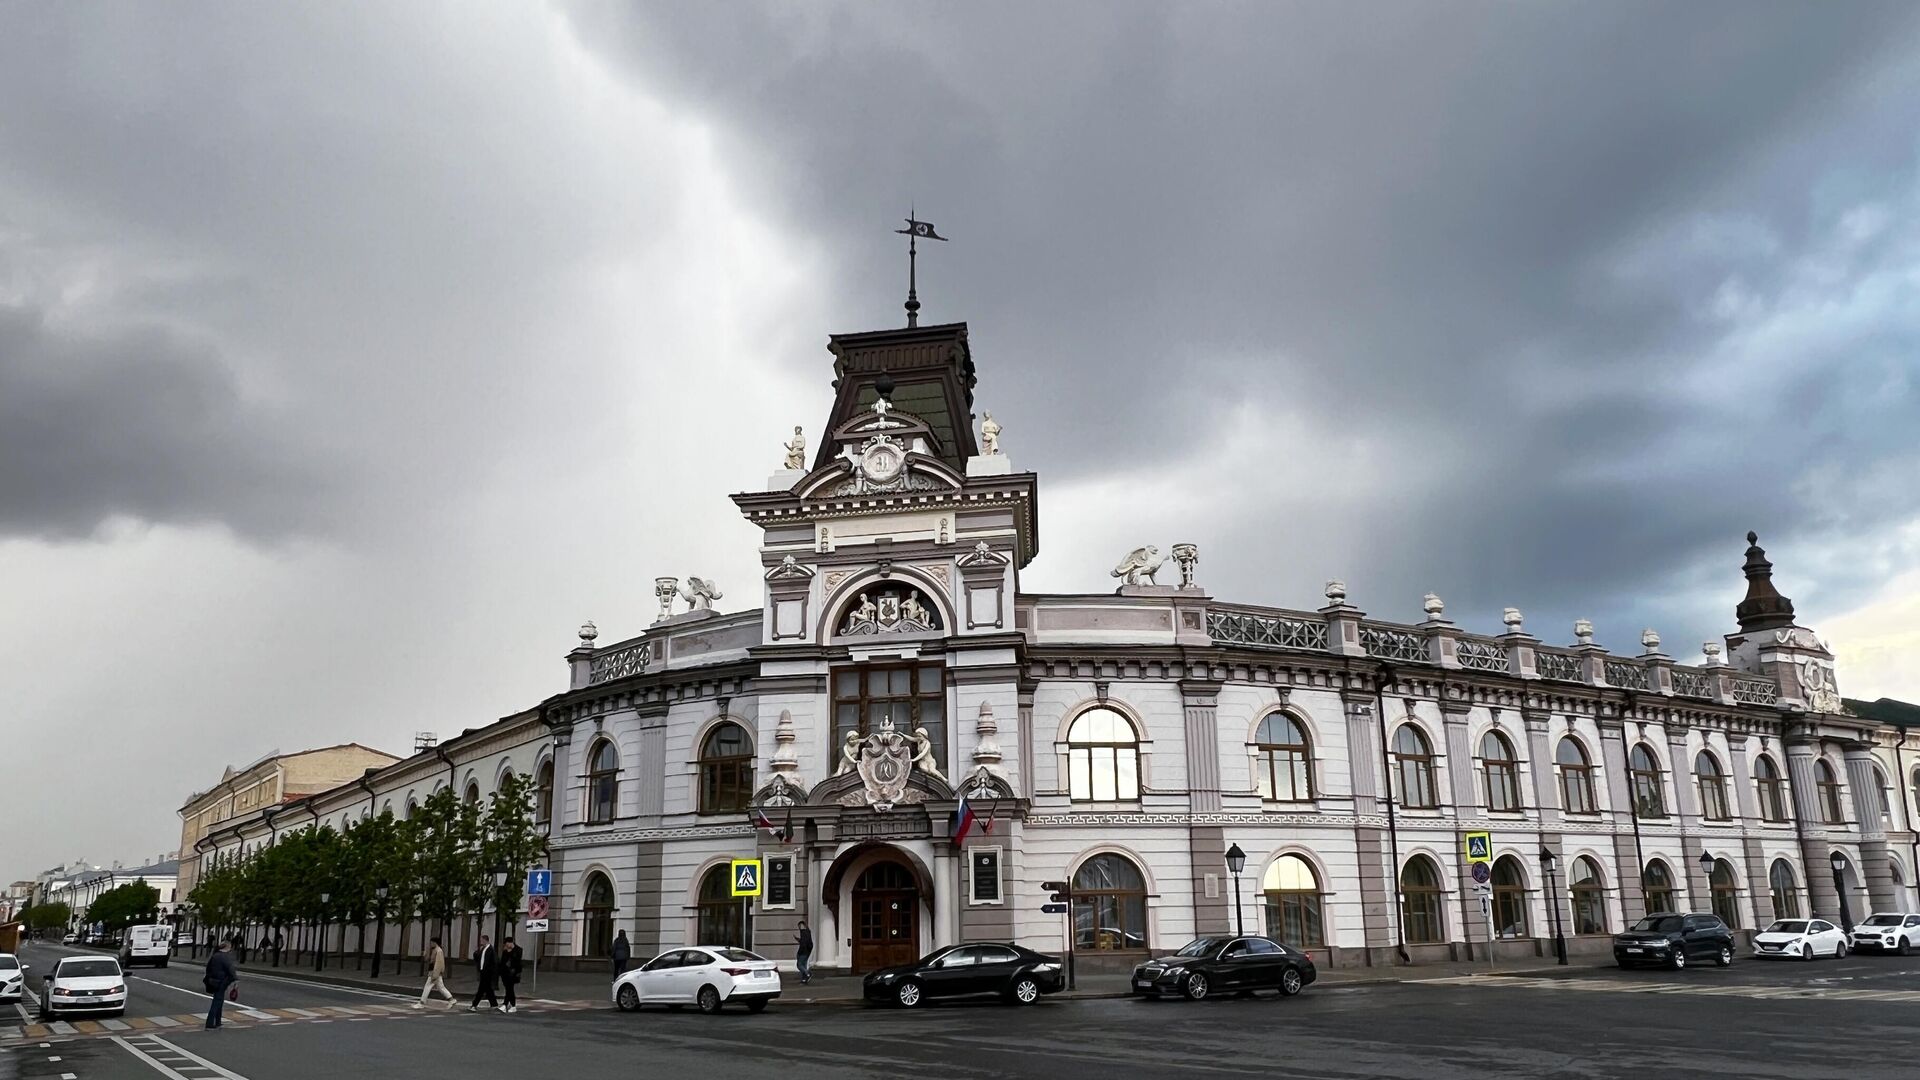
<point x="13" y="977"/>
<point x="707" y="977"/>
<point x="1800" y="939"/>
<point x="84" y="984"/>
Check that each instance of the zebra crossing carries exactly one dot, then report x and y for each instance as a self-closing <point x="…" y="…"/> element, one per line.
<point x="12" y="1035"/>
<point x="1632" y="986"/>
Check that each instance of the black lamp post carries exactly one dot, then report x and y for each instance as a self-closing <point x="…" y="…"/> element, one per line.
<point x="320" y="942"/>
<point x="1548" y="862"/>
<point x="499" y="914"/>
<point x="1839" y="862"/>
<point x="379" y="924"/>
<point x="1236" y="862"/>
<point x="1706" y="871"/>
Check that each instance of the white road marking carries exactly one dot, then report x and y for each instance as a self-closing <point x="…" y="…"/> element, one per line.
<point x="174" y="1054"/>
<point x="248" y="1010"/>
<point x="312" y="985"/>
<point x="164" y="1021"/>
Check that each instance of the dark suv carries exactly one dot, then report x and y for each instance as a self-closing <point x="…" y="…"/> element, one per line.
<point x="1672" y="940"/>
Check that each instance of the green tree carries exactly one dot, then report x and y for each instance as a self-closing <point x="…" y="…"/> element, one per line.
<point x="54" y="916"/>
<point x="511" y="842"/>
<point x="122" y="906"/>
<point x="444" y="863"/>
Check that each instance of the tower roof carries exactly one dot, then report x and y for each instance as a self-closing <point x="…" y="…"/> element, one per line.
<point x="1764" y="608"/>
<point x="931" y="369"/>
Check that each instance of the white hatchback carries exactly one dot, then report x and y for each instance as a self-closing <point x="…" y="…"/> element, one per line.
<point x="1800" y="939"/>
<point x="13" y="977"/>
<point x="84" y="984"/>
<point x="706" y="977"/>
<point x="1891" y="931"/>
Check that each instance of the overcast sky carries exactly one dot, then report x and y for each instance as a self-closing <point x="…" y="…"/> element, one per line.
<point x="352" y="354"/>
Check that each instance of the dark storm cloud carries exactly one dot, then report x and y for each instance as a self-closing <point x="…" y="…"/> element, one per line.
<point x="139" y="424"/>
<point x="1482" y="236"/>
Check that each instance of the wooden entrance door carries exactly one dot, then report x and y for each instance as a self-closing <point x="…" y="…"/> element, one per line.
<point x="886" y="927"/>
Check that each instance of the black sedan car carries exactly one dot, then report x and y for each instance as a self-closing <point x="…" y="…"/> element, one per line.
<point x="1009" y="971"/>
<point x="1672" y="940"/>
<point x="1230" y="965"/>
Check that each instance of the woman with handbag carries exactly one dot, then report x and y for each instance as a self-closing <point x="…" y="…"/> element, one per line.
<point x="223" y="980"/>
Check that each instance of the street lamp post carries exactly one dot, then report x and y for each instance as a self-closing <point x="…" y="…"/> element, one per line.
<point x="499" y="915"/>
<point x="320" y="942"/>
<point x="1839" y="863"/>
<point x="379" y="924"/>
<point x="1707" y="862"/>
<point x="1547" y="863"/>
<point x="1236" y="862"/>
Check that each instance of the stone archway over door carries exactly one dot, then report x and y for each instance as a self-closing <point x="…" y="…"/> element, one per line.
<point x="886" y="916"/>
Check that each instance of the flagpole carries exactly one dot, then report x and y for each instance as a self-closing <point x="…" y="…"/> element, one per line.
<point x="913" y="265"/>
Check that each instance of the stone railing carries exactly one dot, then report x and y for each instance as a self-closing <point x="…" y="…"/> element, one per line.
<point x="1690" y="683"/>
<point x="1273" y="631"/>
<point x="1627" y="674"/>
<point x="1748" y="690"/>
<point x="1476" y="655"/>
<point x="1564" y="667"/>
<point x="619" y="662"/>
<point x="1391" y="644"/>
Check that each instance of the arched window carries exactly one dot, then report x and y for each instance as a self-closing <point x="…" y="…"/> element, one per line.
<point x="1649" y="797"/>
<point x="1656" y="887"/>
<point x="721" y="917"/>
<point x="473" y="793"/>
<point x="1502" y="772"/>
<point x="1916" y="788"/>
<point x="1784" y="890"/>
<point x="1413" y="762"/>
<point x="726" y="770"/>
<point x="1828" y="786"/>
<point x="1726" y="893"/>
<point x="1886" y="795"/>
<point x="603" y="782"/>
<point x="543" y="795"/>
<point x="1713" y="788"/>
<point x="910" y="696"/>
<point x="1103" y="758"/>
<point x="1589" y="897"/>
<point x="1284" y="760"/>
<point x="1109" y="904"/>
<point x="1509" y="898"/>
<point x="1420" y="902"/>
<point x="1576" y="777"/>
<point x="1772" y="787"/>
<point x="596" y="918"/>
<point x="1294" y="912"/>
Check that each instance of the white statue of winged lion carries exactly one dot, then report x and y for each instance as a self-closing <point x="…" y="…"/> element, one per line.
<point x="1145" y="561"/>
<point x="699" y="593"/>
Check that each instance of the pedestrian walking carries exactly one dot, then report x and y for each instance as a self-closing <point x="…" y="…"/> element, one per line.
<point x="622" y="953"/>
<point x="240" y="946"/>
<point x="485" y="964"/>
<point x="804" y="958"/>
<point x="436" y="976"/>
<point x="509" y="973"/>
<point x="279" y="942"/>
<point x="221" y="976"/>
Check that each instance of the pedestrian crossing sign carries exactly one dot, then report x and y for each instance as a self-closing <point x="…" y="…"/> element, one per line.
<point x="746" y="877"/>
<point x="1479" y="847"/>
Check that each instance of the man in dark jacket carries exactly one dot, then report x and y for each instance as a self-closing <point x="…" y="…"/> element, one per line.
<point x="803" y="958"/>
<point x="221" y="974"/>
<point x="487" y="967"/>
<point x="509" y="973"/>
<point x="622" y="952"/>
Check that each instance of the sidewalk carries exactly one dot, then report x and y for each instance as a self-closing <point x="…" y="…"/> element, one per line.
<point x="596" y="987"/>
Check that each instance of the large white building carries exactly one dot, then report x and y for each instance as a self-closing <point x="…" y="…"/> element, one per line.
<point x="1124" y="742"/>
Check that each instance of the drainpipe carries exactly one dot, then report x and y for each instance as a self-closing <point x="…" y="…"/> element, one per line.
<point x="1629" y="701"/>
<point x="1906" y="814"/>
<point x="1383" y="675"/>
<point x="453" y="785"/>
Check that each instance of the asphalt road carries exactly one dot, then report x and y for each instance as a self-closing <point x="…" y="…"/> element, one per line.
<point x="1591" y="1023"/>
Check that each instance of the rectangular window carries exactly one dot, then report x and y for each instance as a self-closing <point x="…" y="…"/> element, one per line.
<point x="779" y="881"/>
<point x="911" y="696"/>
<point x="985" y="863"/>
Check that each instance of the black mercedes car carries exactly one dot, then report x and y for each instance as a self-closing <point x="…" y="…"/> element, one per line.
<point x="1229" y="965"/>
<point x="1671" y="940"/>
<point x="1019" y="975"/>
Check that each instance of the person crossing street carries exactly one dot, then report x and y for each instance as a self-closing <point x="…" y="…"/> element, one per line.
<point x="436" y="976"/>
<point x="509" y="973"/>
<point x="221" y="975"/>
<point x="485" y="964"/>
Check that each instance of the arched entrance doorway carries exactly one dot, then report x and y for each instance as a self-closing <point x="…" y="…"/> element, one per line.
<point x="886" y="916"/>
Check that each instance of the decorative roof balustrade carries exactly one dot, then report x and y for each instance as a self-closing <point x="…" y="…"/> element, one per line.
<point x="1270" y="631"/>
<point x="1628" y="674"/>
<point x="1394" y="644"/>
<point x="1564" y="667"/>
<point x="1694" y="684"/>
<point x="1748" y="690"/>
<point x="619" y="662"/>
<point x="1481" y="655"/>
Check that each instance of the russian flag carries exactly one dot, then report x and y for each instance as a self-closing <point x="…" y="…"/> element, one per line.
<point x="762" y="821"/>
<point x="962" y="820"/>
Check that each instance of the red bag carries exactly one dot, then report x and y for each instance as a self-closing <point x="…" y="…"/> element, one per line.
<point x="233" y="992"/>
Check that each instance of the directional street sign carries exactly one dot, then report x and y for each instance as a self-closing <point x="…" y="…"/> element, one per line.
<point x="1479" y="847"/>
<point x="1054" y="909"/>
<point x="540" y="882"/>
<point x="746" y="877"/>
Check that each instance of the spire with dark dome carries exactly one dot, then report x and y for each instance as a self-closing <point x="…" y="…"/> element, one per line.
<point x="1764" y="608"/>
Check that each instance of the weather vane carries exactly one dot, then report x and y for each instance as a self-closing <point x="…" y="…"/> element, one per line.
<point x="913" y="232"/>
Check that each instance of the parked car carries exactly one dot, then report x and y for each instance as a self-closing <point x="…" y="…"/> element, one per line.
<point x="707" y="977"/>
<point x="1672" y="939"/>
<point x="1800" y="939"/>
<point x="1019" y="975"/>
<point x="1892" y="931"/>
<point x="90" y="984"/>
<point x="70" y="939"/>
<point x="1214" y="965"/>
<point x="147" y="944"/>
<point x="13" y="977"/>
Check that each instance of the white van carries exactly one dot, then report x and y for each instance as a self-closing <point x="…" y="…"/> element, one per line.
<point x="147" y="945"/>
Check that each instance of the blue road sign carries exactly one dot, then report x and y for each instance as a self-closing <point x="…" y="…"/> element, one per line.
<point x="1054" y="909"/>
<point x="539" y="883"/>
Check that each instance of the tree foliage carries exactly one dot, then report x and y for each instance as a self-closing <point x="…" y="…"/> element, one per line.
<point x="54" y="916"/>
<point x="132" y="904"/>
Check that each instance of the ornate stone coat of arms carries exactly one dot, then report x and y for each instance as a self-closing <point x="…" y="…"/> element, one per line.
<point x="885" y="760"/>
